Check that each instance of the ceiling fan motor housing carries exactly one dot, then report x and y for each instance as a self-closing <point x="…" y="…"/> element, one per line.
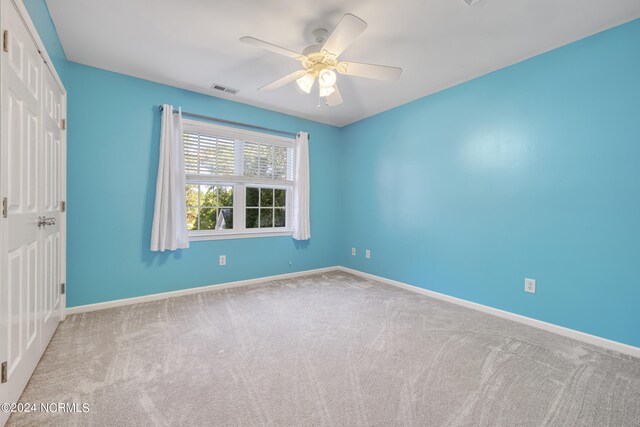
<point x="320" y="35"/>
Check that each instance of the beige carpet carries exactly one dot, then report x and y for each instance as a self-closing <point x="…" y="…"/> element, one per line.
<point x="325" y="350"/>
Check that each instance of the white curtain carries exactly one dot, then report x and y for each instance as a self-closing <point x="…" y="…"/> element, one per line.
<point x="301" y="225"/>
<point x="169" y="230"/>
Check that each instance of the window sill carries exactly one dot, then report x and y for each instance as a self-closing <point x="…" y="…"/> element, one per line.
<point x="249" y="235"/>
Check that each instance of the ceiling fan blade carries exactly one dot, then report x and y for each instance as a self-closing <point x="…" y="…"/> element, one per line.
<point x="335" y="98"/>
<point x="348" y="29"/>
<point x="272" y="47"/>
<point x="283" y="81"/>
<point x="370" y="71"/>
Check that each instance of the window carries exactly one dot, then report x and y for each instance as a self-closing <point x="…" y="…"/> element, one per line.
<point x="239" y="183"/>
<point x="266" y="207"/>
<point x="209" y="207"/>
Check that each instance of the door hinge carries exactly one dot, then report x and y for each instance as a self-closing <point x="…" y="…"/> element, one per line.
<point x="3" y="374"/>
<point x="63" y="206"/>
<point x="63" y="288"/>
<point x="5" y="203"/>
<point x="64" y="124"/>
<point x="5" y="40"/>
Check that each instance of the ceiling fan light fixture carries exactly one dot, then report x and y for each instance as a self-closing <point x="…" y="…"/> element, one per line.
<point x="320" y="61"/>
<point x="327" y="78"/>
<point x="326" y="90"/>
<point x="306" y="82"/>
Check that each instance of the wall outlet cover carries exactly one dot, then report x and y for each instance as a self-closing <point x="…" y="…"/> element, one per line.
<point x="353" y="251"/>
<point x="530" y="285"/>
<point x="367" y="254"/>
<point x="222" y="260"/>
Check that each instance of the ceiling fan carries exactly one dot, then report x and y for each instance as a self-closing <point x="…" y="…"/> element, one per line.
<point x="320" y="60"/>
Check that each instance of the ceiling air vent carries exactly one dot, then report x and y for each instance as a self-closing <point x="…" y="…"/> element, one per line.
<point x="472" y="2"/>
<point x="224" y="89"/>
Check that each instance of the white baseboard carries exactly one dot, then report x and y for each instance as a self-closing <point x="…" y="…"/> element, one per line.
<point x="560" y="330"/>
<point x="164" y="295"/>
<point x="549" y="327"/>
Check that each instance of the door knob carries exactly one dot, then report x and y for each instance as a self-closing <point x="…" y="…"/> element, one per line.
<point x="44" y="221"/>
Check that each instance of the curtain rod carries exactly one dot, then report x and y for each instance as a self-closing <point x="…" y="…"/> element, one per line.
<point x="230" y="122"/>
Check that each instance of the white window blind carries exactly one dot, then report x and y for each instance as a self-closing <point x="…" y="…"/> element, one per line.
<point x="267" y="161"/>
<point x="230" y="157"/>
<point x="208" y="154"/>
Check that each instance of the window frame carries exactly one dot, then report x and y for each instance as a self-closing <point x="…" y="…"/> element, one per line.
<point x="240" y="183"/>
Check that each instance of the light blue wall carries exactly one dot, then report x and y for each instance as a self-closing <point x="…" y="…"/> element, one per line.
<point x="39" y="13"/>
<point x="531" y="171"/>
<point x="113" y="137"/>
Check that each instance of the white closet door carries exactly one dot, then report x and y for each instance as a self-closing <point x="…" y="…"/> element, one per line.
<point x="51" y="168"/>
<point x="32" y="159"/>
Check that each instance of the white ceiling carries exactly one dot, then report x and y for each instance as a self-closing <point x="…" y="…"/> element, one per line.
<point x="439" y="43"/>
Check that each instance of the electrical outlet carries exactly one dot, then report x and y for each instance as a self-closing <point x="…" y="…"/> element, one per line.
<point x="367" y="254"/>
<point x="222" y="260"/>
<point x="530" y="286"/>
<point x="353" y="251"/>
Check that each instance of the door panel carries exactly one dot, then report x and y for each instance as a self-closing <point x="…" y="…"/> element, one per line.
<point x="32" y="178"/>
<point x="15" y="110"/>
<point x="15" y="303"/>
<point x="21" y="129"/>
<point x="32" y="283"/>
<point x="51" y="191"/>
